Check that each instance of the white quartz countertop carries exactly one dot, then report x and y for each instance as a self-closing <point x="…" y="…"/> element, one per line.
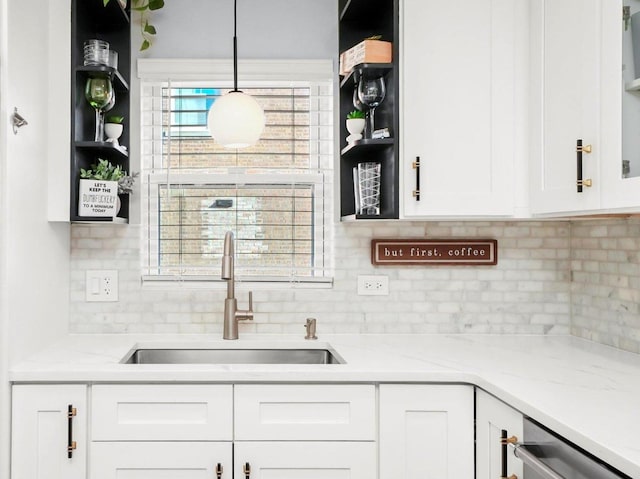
<point x="584" y="391"/>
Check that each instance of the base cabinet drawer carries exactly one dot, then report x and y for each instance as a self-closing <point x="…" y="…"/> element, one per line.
<point x="160" y="460"/>
<point x="162" y="413"/>
<point x="305" y="460"/>
<point x="305" y="412"/>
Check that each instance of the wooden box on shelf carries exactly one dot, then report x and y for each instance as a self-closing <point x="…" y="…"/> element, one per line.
<point x="367" y="51"/>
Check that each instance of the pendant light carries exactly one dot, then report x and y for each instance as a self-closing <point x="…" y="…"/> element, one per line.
<point x="235" y="120"/>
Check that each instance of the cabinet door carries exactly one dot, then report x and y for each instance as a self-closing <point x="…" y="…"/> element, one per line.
<point x="620" y="111"/>
<point x="305" y="460"/>
<point x="160" y="460"/>
<point x="462" y="67"/>
<point x="40" y="432"/>
<point x="566" y="103"/>
<point x="492" y="416"/>
<point x="426" y="431"/>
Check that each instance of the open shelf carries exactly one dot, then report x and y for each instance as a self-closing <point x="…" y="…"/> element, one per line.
<point x="368" y="70"/>
<point x="91" y="19"/>
<point x="104" y="147"/>
<point x="358" y="146"/>
<point x="119" y="82"/>
<point x="358" y="20"/>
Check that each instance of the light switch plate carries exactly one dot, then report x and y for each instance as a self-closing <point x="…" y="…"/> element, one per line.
<point x="102" y="285"/>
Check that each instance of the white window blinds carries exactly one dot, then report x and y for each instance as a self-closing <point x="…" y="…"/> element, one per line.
<point x="275" y="196"/>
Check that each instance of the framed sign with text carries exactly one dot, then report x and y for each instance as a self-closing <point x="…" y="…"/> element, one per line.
<point x="396" y="252"/>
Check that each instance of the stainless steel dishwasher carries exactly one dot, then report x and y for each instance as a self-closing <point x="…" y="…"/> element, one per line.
<point x="548" y="456"/>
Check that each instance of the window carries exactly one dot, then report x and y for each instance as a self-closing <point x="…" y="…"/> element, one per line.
<point x="276" y="196"/>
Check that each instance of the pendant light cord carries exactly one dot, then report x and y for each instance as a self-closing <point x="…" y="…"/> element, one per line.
<point x="235" y="46"/>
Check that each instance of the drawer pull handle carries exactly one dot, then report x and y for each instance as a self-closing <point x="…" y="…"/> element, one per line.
<point x="504" y="440"/>
<point x="416" y="166"/>
<point x="247" y="470"/>
<point x="580" y="149"/>
<point x="219" y="471"/>
<point x="71" y="444"/>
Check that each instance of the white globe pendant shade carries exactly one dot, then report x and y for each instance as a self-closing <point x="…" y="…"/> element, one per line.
<point x="235" y="120"/>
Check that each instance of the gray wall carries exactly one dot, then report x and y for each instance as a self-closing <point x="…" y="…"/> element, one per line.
<point x="266" y="29"/>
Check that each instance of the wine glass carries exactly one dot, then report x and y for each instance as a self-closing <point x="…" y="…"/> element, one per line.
<point x="371" y="92"/>
<point x="99" y="93"/>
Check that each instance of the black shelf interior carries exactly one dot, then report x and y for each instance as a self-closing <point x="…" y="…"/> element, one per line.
<point x="366" y="70"/>
<point x="360" y="19"/>
<point x="119" y="82"/>
<point x="358" y="147"/>
<point x="90" y="19"/>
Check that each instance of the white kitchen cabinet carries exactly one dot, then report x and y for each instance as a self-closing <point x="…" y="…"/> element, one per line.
<point x="305" y="460"/>
<point x="42" y="432"/>
<point x="492" y="417"/>
<point x="426" y="431"/>
<point x="620" y="111"/>
<point x="161" y="460"/>
<point x="463" y="69"/>
<point x="570" y="79"/>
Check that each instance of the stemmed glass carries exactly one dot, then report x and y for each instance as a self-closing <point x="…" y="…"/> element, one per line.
<point x="99" y="93"/>
<point x="371" y="92"/>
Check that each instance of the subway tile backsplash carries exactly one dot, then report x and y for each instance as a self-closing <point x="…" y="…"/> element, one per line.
<point x="580" y="277"/>
<point x="605" y="284"/>
<point x="527" y="292"/>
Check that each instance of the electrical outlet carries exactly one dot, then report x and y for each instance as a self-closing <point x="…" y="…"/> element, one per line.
<point x="102" y="285"/>
<point x="373" y="285"/>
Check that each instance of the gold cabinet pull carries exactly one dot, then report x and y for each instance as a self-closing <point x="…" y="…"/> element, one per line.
<point x="71" y="444"/>
<point x="416" y="166"/>
<point x="580" y="149"/>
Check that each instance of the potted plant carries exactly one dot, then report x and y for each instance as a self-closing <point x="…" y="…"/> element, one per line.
<point x="98" y="191"/>
<point x="355" y="125"/>
<point x="113" y="128"/>
<point x="144" y="7"/>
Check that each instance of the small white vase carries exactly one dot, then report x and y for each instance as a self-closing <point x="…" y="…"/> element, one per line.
<point x="113" y="132"/>
<point x="355" y="126"/>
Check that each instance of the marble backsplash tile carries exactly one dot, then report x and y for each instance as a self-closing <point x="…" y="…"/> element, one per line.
<point x="527" y="292"/>
<point x="605" y="282"/>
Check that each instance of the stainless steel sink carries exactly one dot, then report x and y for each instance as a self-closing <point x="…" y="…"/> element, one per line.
<point x="232" y="356"/>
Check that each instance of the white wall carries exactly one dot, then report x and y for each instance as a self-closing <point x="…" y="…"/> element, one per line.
<point x="4" y="325"/>
<point x="265" y="29"/>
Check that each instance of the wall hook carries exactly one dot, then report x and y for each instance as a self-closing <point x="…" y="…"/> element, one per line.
<point x="17" y="121"/>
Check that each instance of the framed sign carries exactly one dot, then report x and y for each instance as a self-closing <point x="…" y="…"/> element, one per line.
<point x="395" y="252"/>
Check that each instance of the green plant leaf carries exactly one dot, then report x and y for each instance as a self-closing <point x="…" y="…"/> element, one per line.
<point x="105" y="2"/>
<point x="156" y="4"/>
<point x="150" y="29"/>
<point x="145" y="45"/>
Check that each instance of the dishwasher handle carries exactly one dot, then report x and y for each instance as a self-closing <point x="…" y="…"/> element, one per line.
<point x="530" y="459"/>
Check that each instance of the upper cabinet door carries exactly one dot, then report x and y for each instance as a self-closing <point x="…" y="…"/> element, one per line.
<point x="621" y="105"/>
<point x="566" y="72"/>
<point x="462" y="71"/>
<point x="37" y="80"/>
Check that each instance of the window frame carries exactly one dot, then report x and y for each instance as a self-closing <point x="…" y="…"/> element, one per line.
<point x="263" y="73"/>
